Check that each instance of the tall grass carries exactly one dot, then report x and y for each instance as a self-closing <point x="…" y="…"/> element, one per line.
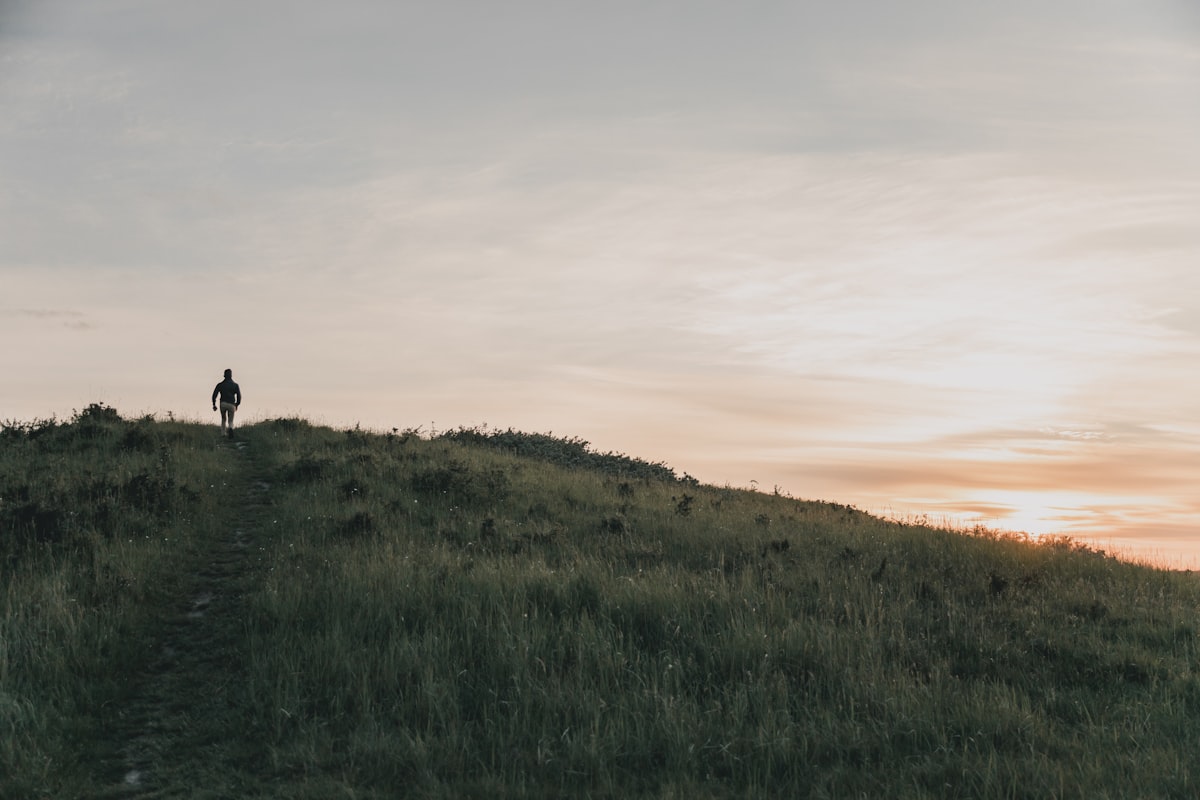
<point x="96" y="517"/>
<point x="449" y="617"/>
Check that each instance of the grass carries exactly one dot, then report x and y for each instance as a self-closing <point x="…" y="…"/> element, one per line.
<point x="496" y="614"/>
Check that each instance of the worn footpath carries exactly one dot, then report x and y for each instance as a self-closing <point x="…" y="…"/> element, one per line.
<point x="170" y="739"/>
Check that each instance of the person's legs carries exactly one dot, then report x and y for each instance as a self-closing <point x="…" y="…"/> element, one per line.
<point x="227" y="410"/>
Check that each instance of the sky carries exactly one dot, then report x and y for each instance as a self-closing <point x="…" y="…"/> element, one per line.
<point x="937" y="260"/>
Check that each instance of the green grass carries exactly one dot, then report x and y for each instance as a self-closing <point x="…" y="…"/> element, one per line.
<point x="512" y="615"/>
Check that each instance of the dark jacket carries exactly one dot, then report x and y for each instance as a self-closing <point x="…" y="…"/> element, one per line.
<point x="229" y="391"/>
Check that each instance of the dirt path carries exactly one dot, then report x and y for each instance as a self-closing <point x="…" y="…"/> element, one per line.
<point x="170" y="739"/>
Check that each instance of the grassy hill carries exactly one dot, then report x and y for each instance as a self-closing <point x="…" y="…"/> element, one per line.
<point x="312" y="613"/>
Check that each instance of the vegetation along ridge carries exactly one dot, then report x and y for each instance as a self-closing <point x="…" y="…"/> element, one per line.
<point x="305" y="612"/>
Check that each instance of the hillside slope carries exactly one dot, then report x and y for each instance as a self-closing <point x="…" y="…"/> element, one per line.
<point x="308" y="612"/>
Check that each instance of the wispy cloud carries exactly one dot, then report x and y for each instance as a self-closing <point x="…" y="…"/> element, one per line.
<point x="75" y="320"/>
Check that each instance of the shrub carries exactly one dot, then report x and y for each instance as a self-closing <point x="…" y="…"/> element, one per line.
<point x="462" y="484"/>
<point x="563" y="451"/>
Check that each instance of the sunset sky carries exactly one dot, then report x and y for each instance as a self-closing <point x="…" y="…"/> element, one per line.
<point x="926" y="258"/>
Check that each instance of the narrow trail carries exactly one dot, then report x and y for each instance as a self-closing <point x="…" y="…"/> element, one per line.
<point x="170" y="739"/>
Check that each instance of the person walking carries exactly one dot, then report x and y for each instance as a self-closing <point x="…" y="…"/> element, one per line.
<point x="231" y="398"/>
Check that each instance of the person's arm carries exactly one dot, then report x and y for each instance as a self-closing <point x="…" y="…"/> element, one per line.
<point x="237" y="399"/>
<point x="216" y="391"/>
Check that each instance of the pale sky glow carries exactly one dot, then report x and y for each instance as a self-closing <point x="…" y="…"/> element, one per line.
<point x="926" y="258"/>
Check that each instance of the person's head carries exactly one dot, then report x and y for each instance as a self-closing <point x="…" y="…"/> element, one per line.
<point x="228" y="373"/>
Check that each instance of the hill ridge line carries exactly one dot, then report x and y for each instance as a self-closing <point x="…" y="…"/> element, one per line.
<point x="319" y="613"/>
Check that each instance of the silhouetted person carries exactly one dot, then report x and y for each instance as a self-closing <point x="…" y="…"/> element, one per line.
<point x="231" y="398"/>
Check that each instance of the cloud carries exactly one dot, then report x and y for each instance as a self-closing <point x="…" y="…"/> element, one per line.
<point x="75" y="320"/>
